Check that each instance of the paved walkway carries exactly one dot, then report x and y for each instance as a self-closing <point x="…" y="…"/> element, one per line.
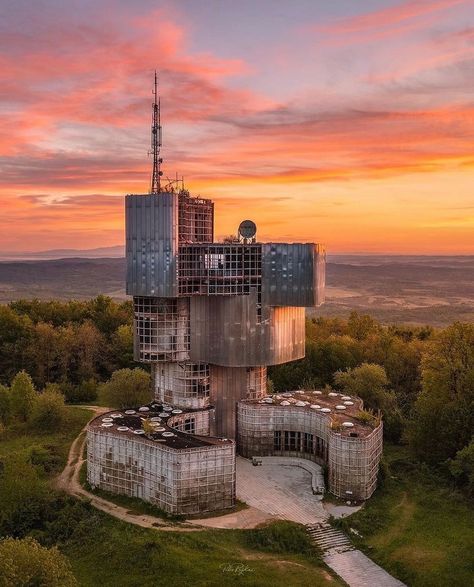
<point x="358" y="570"/>
<point x="281" y="490"/>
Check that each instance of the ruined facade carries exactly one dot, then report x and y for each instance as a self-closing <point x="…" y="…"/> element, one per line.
<point x="209" y="317"/>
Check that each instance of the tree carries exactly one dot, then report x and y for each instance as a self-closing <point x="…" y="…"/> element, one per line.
<point x="15" y="332"/>
<point x="21" y="494"/>
<point x="4" y="404"/>
<point x="43" y="352"/>
<point x="22" y="396"/>
<point x="444" y="411"/>
<point x="370" y="383"/>
<point x="126" y="388"/>
<point x="48" y="411"/>
<point x="24" y="563"/>
<point x="122" y="347"/>
<point x="462" y="467"/>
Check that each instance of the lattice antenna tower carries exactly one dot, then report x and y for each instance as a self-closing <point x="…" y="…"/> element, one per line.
<point x="155" y="187"/>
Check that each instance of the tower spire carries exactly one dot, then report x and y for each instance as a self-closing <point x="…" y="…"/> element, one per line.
<point x="155" y="186"/>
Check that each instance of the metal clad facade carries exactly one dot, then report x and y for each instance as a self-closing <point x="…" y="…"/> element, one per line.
<point x="152" y="244"/>
<point x="225" y="331"/>
<point x="291" y="274"/>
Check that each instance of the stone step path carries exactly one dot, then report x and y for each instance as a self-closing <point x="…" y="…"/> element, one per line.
<point x="329" y="538"/>
<point x="352" y="565"/>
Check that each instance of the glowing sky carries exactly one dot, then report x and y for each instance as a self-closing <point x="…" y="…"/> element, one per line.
<point x="348" y="122"/>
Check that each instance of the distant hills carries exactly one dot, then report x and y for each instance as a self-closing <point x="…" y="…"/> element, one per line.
<point x="115" y="251"/>
<point x="413" y="289"/>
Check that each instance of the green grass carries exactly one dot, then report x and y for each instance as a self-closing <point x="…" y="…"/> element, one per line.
<point x="417" y="528"/>
<point x="22" y="440"/>
<point x="125" y="555"/>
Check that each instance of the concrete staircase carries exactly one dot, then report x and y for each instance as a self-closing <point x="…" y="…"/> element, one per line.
<point x="352" y="565"/>
<point x="329" y="539"/>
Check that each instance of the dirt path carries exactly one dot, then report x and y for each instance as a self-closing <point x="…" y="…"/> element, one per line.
<point x="68" y="481"/>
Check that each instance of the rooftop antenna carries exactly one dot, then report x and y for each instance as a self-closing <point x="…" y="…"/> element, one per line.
<point x="155" y="187"/>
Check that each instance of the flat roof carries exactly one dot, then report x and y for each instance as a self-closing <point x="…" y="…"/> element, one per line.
<point x="129" y="423"/>
<point x="342" y="408"/>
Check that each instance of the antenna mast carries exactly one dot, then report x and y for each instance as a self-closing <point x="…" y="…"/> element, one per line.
<point x="155" y="187"/>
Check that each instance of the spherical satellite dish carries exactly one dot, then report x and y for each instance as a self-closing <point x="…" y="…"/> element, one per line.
<point x="247" y="229"/>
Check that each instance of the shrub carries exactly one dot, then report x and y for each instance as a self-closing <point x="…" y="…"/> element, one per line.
<point x="126" y="388"/>
<point x="48" y="411"/>
<point x="22" y="396"/>
<point x="85" y="392"/>
<point x="25" y="563"/>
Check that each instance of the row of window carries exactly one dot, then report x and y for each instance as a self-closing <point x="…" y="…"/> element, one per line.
<point x="290" y="440"/>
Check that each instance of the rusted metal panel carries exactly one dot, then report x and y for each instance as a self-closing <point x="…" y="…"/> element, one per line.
<point x="152" y="244"/>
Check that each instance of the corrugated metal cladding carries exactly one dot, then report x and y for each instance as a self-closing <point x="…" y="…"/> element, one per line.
<point x="292" y="274"/>
<point x="226" y="331"/>
<point x="152" y="244"/>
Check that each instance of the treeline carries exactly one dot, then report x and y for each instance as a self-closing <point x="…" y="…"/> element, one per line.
<point x="76" y="344"/>
<point x="421" y="379"/>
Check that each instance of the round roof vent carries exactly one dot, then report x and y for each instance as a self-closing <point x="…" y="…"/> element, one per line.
<point x="139" y="431"/>
<point x="155" y="419"/>
<point x="300" y="404"/>
<point x="107" y="419"/>
<point x="287" y="394"/>
<point x="167" y="408"/>
<point x="325" y="410"/>
<point x="164" y="415"/>
<point x="114" y="416"/>
<point x="177" y="412"/>
<point x="123" y="428"/>
<point x="160" y="429"/>
<point x="348" y="403"/>
<point x="346" y="397"/>
<point x="315" y="406"/>
<point x="144" y="409"/>
<point x="268" y="400"/>
<point x="348" y="424"/>
<point x="285" y="403"/>
<point x="130" y="412"/>
<point x="332" y="394"/>
<point x="340" y="407"/>
<point x="106" y="424"/>
<point x="299" y="391"/>
<point x="169" y="434"/>
<point x="317" y="392"/>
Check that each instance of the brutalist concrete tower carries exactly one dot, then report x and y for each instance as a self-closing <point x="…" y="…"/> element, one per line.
<point x="211" y="316"/>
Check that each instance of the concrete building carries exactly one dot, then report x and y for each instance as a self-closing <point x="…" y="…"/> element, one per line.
<point x="173" y="463"/>
<point x="324" y="427"/>
<point x="209" y="317"/>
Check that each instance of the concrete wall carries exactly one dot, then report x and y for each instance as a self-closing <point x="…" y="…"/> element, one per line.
<point x="188" y="481"/>
<point x="352" y="462"/>
<point x="152" y="244"/>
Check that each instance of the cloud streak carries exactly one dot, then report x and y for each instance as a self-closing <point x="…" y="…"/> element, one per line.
<point x="76" y="103"/>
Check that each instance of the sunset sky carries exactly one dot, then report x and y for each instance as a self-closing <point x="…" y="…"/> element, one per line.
<point x="347" y="122"/>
